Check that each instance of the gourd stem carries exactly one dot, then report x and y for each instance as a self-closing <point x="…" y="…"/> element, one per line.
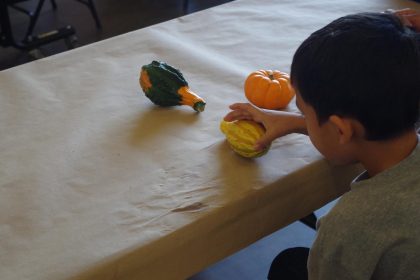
<point x="199" y="106"/>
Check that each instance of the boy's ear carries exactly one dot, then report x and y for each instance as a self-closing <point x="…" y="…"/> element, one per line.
<point x="344" y="128"/>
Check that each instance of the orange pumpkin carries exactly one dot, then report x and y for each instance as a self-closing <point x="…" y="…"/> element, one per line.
<point x="269" y="89"/>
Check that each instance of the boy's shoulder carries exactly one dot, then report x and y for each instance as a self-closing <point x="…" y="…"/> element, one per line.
<point x="390" y="199"/>
<point x="374" y="229"/>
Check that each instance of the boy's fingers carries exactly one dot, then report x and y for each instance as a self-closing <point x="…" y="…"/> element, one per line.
<point x="243" y="106"/>
<point x="237" y="106"/>
<point x="241" y="111"/>
<point x="264" y="141"/>
<point x="237" y="115"/>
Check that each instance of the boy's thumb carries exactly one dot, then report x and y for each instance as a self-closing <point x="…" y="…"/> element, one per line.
<point x="264" y="142"/>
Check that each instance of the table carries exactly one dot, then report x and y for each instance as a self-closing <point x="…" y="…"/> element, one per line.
<point x="98" y="183"/>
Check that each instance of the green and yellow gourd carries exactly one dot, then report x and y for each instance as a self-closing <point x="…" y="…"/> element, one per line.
<point x="166" y="86"/>
<point x="242" y="135"/>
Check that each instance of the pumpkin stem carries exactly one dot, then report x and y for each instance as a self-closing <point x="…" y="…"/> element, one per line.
<point x="271" y="76"/>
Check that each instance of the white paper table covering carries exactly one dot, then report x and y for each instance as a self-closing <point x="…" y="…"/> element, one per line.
<point x="98" y="183"/>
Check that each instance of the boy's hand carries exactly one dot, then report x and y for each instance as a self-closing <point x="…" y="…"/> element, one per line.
<point x="409" y="17"/>
<point x="276" y="123"/>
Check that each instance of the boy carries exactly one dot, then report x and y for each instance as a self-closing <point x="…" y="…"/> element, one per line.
<point x="357" y="83"/>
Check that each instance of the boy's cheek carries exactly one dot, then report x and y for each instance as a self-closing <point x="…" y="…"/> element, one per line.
<point x="339" y="161"/>
<point x="330" y="150"/>
<point x="319" y="145"/>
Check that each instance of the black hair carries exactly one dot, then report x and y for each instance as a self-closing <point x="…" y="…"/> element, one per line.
<point x="365" y="66"/>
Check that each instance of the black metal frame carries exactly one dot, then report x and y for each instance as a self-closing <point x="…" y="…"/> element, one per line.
<point x="33" y="16"/>
<point x="91" y="7"/>
<point x="30" y="42"/>
<point x="185" y="6"/>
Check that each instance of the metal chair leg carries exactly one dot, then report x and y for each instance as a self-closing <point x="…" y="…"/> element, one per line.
<point x="53" y="4"/>
<point x="92" y="9"/>
<point x="185" y="6"/>
<point x="34" y="18"/>
<point x="30" y="42"/>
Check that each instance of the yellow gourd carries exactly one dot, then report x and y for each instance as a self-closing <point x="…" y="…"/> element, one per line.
<point x="242" y="135"/>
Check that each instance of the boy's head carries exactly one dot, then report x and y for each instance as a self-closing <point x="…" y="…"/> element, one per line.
<point x="365" y="67"/>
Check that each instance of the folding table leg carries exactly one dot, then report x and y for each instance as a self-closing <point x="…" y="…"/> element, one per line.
<point x="54" y="4"/>
<point x="310" y="220"/>
<point x="185" y="6"/>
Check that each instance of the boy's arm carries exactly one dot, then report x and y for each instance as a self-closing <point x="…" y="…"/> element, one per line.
<point x="276" y="123"/>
